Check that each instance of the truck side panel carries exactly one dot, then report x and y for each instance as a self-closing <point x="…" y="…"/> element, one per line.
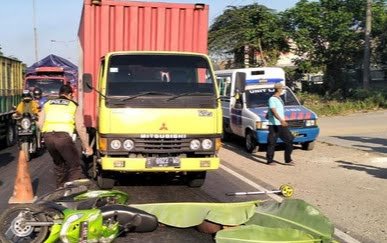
<point x="11" y="86"/>
<point x="136" y="26"/>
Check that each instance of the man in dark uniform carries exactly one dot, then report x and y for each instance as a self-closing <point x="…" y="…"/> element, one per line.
<point x="58" y="120"/>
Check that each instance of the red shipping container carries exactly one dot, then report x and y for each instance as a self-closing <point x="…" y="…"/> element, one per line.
<point x="108" y="25"/>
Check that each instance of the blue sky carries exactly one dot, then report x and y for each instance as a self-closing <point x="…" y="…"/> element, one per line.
<point x="59" y="20"/>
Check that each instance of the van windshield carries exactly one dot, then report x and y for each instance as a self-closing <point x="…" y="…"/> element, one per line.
<point x="260" y="97"/>
<point x="128" y="75"/>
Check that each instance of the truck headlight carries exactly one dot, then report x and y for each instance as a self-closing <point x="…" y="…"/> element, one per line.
<point x="262" y="125"/>
<point x="310" y="123"/>
<point x="115" y="144"/>
<point x="128" y="144"/>
<point x="25" y="123"/>
<point x="195" y="144"/>
<point x="207" y="144"/>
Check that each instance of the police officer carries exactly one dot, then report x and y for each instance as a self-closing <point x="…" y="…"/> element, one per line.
<point x="59" y="119"/>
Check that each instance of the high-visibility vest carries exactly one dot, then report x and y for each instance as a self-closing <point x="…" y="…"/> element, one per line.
<point x="59" y="116"/>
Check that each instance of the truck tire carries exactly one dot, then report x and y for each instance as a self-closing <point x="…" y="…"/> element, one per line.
<point x="251" y="143"/>
<point x="10" y="138"/>
<point x="104" y="182"/>
<point x="196" y="179"/>
<point x="308" y="145"/>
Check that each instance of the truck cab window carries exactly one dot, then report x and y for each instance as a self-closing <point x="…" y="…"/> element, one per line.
<point x="174" y="74"/>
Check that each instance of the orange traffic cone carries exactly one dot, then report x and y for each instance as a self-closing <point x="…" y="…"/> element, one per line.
<point x="22" y="192"/>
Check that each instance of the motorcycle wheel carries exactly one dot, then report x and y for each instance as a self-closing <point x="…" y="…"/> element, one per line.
<point x="25" y="147"/>
<point x="13" y="231"/>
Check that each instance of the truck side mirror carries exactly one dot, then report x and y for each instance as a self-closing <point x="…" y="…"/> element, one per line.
<point x="87" y="80"/>
<point x="240" y="82"/>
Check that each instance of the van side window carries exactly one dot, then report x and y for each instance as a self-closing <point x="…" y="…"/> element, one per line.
<point x="224" y="86"/>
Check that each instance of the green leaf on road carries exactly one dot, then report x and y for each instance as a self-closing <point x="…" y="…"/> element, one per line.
<point x="256" y="233"/>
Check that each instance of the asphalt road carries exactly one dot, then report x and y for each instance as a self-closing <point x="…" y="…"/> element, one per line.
<point x="345" y="177"/>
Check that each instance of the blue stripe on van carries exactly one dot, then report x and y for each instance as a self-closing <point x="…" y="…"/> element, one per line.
<point x="264" y="80"/>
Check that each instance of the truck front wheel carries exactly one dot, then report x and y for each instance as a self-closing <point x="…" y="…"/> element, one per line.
<point x="104" y="182"/>
<point x="308" y="145"/>
<point x="251" y="143"/>
<point x="196" y="179"/>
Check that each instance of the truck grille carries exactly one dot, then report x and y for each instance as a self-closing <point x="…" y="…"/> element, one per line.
<point x="296" y="123"/>
<point x="162" y="145"/>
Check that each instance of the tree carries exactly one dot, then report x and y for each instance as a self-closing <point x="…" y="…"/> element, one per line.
<point x="253" y="26"/>
<point x="379" y="33"/>
<point x="330" y="36"/>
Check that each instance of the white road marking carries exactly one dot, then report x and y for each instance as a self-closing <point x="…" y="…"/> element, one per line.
<point x="338" y="233"/>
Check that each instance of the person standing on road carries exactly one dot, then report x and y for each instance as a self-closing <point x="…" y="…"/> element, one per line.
<point x="59" y="119"/>
<point x="278" y="127"/>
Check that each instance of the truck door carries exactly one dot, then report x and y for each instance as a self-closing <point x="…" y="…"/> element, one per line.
<point x="237" y="106"/>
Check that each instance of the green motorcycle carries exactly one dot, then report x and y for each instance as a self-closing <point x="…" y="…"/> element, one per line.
<point x="74" y="214"/>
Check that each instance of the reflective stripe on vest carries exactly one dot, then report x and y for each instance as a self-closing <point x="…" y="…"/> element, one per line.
<point x="59" y="116"/>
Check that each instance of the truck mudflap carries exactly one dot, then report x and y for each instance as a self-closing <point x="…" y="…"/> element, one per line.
<point x="301" y="135"/>
<point x="162" y="164"/>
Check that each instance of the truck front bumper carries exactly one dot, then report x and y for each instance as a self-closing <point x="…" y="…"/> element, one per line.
<point x="141" y="165"/>
<point x="301" y="135"/>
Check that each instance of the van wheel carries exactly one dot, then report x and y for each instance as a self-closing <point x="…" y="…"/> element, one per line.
<point x="196" y="179"/>
<point x="251" y="143"/>
<point x="308" y="146"/>
<point x="104" y="182"/>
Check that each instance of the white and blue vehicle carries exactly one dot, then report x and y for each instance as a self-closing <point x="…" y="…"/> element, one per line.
<point x="245" y="94"/>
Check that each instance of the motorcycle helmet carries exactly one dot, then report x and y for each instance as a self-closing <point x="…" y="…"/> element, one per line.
<point x="26" y="95"/>
<point x="37" y="93"/>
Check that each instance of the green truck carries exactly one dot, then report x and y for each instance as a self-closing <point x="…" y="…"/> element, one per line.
<point x="11" y="87"/>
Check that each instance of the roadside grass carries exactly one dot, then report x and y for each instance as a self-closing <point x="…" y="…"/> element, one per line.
<point x="359" y="100"/>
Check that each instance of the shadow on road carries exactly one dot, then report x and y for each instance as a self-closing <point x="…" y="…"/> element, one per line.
<point x="6" y="158"/>
<point x="372" y="170"/>
<point x="367" y="140"/>
<point x="236" y="145"/>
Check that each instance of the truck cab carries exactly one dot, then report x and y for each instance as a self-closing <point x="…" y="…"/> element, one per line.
<point x="48" y="79"/>
<point x="157" y="112"/>
<point x="245" y="108"/>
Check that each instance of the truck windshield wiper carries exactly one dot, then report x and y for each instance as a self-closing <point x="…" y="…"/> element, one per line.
<point x="144" y="94"/>
<point x="189" y="94"/>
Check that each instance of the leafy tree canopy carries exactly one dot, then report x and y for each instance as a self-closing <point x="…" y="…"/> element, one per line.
<point x="330" y="36"/>
<point x="255" y="26"/>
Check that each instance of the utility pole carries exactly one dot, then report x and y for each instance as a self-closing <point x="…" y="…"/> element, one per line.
<point x="367" y="37"/>
<point x="35" y="31"/>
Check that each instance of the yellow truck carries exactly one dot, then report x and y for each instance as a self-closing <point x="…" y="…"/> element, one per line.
<point x="157" y="112"/>
<point x="154" y="104"/>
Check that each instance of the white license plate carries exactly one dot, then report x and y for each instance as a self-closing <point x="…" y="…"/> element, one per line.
<point x="163" y="162"/>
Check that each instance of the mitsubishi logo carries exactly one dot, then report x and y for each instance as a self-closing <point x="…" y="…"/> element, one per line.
<point x="163" y="127"/>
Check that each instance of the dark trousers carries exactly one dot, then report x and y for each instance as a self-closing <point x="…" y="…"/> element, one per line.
<point x="66" y="157"/>
<point x="284" y="133"/>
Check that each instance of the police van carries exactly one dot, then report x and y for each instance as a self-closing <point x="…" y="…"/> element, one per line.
<point x="245" y="94"/>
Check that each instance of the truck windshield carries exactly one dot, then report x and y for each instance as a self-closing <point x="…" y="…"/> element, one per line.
<point x="48" y="86"/>
<point x="166" y="75"/>
<point x="259" y="97"/>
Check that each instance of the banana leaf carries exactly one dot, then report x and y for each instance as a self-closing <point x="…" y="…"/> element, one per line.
<point x="256" y="233"/>
<point x="296" y="214"/>
<point x="293" y="220"/>
<point x="191" y="214"/>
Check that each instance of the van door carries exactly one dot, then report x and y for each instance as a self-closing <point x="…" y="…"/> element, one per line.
<point x="236" y="109"/>
<point x="225" y="94"/>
